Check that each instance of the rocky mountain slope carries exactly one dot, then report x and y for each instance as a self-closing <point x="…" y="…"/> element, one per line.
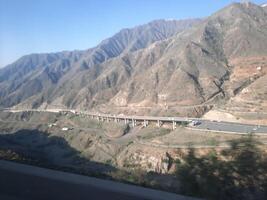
<point x="40" y="78"/>
<point x="161" y="66"/>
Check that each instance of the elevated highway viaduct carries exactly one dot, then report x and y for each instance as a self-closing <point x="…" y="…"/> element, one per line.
<point x="203" y="124"/>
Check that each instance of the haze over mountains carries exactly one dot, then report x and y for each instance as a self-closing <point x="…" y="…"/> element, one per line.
<point x="161" y="66"/>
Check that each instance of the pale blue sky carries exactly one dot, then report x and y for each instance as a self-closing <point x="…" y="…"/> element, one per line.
<point x="37" y="26"/>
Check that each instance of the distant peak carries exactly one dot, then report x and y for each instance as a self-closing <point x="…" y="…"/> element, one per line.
<point x="264" y="5"/>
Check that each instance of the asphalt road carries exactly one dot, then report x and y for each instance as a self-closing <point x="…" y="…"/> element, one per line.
<point x="23" y="182"/>
<point x="231" y="127"/>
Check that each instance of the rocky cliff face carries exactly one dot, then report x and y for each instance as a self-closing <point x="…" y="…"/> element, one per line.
<point x="159" y="65"/>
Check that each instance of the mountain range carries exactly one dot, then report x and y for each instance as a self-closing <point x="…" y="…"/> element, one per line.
<point x="184" y="67"/>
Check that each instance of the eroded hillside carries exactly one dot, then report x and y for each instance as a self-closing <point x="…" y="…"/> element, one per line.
<point x="164" y="67"/>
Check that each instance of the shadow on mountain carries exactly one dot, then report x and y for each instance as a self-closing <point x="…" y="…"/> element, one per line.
<point x="39" y="148"/>
<point x="239" y="172"/>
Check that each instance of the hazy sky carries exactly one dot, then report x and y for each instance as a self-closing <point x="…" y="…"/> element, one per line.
<point x="36" y="26"/>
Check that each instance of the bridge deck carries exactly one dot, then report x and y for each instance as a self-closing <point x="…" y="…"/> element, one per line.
<point x="142" y="118"/>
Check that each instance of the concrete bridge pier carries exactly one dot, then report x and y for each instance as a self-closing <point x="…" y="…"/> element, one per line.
<point x="174" y="125"/>
<point x="145" y="123"/>
<point x="125" y="121"/>
<point x="159" y="123"/>
<point x="133" y="122"/>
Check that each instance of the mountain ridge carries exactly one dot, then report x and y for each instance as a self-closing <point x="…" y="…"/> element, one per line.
<point x="93" y="56"/>
<point x="165" y="63"/>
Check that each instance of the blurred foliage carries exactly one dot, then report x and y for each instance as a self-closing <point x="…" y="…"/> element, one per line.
<point x="239" y="172"/>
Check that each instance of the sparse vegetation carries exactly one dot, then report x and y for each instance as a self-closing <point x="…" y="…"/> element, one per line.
<point x="129" y="143"/>
<point x="136" y="176"/>
<point x="109" y="162"/>
<point x="183" y="124"/>
<point x="212" y="142"/>
<point x="150" y="133"/>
